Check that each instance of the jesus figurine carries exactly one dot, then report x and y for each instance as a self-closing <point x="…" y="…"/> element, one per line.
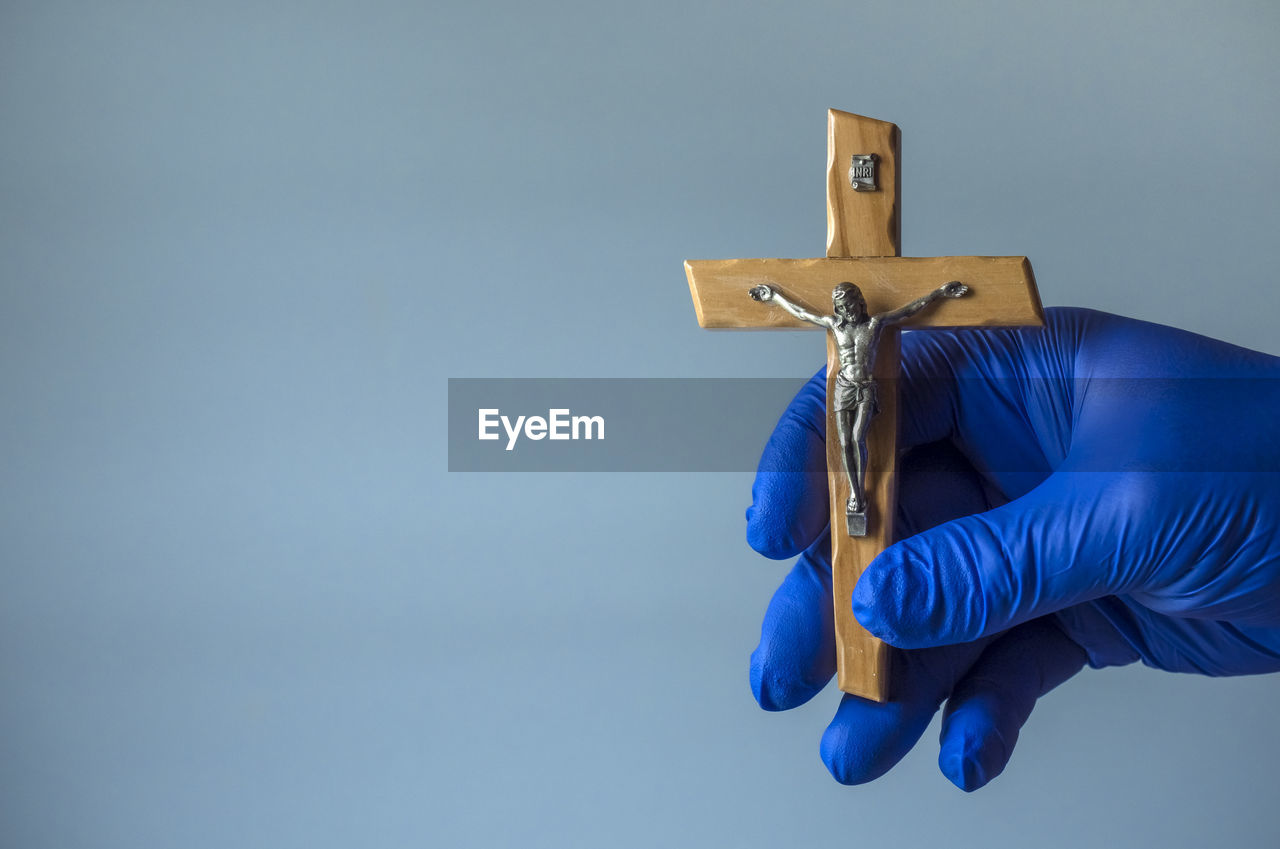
<point x="857" y="336"/>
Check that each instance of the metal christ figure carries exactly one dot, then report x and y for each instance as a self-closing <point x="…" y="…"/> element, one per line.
<point x="857" y="336"/>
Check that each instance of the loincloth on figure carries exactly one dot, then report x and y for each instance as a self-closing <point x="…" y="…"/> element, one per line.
<point x="850" y="394"/>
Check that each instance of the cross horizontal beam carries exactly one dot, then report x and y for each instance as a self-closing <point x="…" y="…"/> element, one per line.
<point x="1003" y="289"/>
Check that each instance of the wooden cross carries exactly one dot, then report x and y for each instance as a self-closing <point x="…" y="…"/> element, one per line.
<point x="863" y="230"/>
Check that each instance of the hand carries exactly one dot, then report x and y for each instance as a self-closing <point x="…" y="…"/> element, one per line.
<point x="1100" y="491"/>
<point x="761" y="293"/>
<point x="954" y="289"/>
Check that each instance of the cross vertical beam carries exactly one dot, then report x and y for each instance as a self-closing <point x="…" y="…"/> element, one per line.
<point x="866" y="223"/>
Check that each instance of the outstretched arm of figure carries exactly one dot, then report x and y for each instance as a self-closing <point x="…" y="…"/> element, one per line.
<point x="954" y="289"/>
<point x="768" y="293"/>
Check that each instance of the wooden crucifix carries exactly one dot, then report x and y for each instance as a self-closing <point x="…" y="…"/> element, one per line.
<point x="863" y="248"/>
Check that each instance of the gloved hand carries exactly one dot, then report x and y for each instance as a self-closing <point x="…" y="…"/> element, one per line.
<point x="1097" y="491"/>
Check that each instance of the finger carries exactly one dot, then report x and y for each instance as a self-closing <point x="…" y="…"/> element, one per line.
<point x="866" y="739"/>
<point x="1075" y="538"/>
<point x="796" y="656"/>
<point x="789" y="496"/>
<point x="991" y="703"/>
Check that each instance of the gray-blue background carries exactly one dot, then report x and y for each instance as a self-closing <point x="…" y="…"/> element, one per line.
<point x="242" y="246"/>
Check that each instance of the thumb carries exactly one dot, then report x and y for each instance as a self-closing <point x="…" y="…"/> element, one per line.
<point x="1076" y="537"/>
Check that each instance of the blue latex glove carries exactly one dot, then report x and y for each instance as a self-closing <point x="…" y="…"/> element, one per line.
<point x="1097" y="491"/>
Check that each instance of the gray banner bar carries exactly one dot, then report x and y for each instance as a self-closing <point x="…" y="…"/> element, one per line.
<point x="722" y="424"/>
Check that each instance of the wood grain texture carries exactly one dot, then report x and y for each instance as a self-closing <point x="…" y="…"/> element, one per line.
<point x="1003" y="289"/>
<point x="862" y="223"/>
